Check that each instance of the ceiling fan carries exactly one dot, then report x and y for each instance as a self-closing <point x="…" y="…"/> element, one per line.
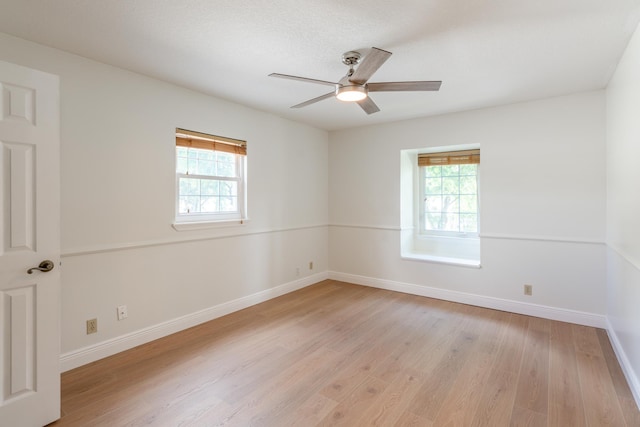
<point x="354" y="86"/>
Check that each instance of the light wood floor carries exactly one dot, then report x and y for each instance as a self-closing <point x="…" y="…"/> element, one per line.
<point x="345" y="355"/>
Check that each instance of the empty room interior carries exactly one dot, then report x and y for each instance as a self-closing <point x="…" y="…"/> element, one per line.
<point x="320" y="213"/>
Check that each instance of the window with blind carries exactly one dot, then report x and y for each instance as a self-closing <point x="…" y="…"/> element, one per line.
<point x="449" y="193"/>
<point x="210" y="177"/>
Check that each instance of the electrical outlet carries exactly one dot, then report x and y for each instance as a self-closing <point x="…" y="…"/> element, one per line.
<point x="92" y="326"/>
<point x="528" y="290"/>
<point x="122" y="312"/>
<point x="297" y="271"/>
<point x="310" y="265"/>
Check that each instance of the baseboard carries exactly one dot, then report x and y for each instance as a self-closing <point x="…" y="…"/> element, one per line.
<point x="553" y="313"/>
<point x="112" y="346"/>
<point x="627" y="368"/>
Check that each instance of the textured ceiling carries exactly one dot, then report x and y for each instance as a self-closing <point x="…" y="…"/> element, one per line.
<point x="486" y="52"/>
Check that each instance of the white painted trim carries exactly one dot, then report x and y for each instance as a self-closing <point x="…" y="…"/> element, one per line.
<point x="461" y="262"/>
<point x="555" y="239"/>
<point x="558" y="239"/>
<point x="627" y="368"/>
<point x="96" y="249"/>
<point x="115" y="345"/>
<point x="369" y="227"/>
<point x="205" y="225"/>
<point x="546" y="312"/>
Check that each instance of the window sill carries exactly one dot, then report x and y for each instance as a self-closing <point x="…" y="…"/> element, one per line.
<point x="448" y="237"/>
<point x="413" y="256"/>
<point x="203" y="225"/>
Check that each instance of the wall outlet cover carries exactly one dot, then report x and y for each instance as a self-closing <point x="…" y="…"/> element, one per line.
<point x="122" y="312"/>
<point x="92" y="326"/>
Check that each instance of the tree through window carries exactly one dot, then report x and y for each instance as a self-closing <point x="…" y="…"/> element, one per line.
<point x="449" y="192"/>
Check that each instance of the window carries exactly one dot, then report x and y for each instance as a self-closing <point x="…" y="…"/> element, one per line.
<point x="449" y="193"/>
<point x="210" y="177"/>
<point x="439" y="205"/>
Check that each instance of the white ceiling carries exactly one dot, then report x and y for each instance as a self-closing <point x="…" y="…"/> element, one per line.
<point x="486" y="52"/>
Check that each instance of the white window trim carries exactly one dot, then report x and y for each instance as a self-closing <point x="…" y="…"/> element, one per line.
<point x="203" y="225"/>
<point x="461" y="262"/>
<point x="198" y="221"/>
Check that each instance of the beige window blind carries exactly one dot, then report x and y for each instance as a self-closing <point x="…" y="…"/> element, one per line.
<point x="188" y="138"/>
<point x="466" y="157"/>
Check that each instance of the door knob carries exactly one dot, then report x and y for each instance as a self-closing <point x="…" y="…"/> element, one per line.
<point x="44" y="266"/>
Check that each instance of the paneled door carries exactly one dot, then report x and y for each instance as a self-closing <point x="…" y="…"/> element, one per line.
<point x="29" y="237"/>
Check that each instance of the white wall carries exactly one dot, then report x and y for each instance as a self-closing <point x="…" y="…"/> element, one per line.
<point x="117" y="156"/>
<point x="542" y="207"/>
<point x="623" y="211"/>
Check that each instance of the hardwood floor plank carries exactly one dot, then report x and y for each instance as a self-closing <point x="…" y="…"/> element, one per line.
<point x="464" y="397"/>
<point x="349" y="411"/>
<point x="392" y="403"/>
<point x="565" y="400"/>
<point x="630" y="410"/>
<point x="496" y="405"/>
<point x="586" y="340"/>
<point x="511" y="348"/>
<point x="413" y="348"/>
<point x="310" y="299"/>
<point x="619" y="381"/>
<point x="440" y="380"/>
<point x="428" y="342"/>
<point x="539" y="324"/>
<point x="409" y="419"/>
<point x="289" y="390"/>
<point x="461" y="403"/>
<point x="533" y="382"/>
<point x="523" y="417"/>
<point x="311" y="412"/>
<point x="187" y="409"/>
<point x="220" y="415"/>
<point x="341" y="354"/>
<point x="366" y="325"/>
<point x="602" y="407"/>
<point x="380" y="343"/>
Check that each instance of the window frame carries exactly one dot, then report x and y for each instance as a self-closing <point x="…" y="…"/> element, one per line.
<point x="236" y="216"/>
<point x="420" y="204"/>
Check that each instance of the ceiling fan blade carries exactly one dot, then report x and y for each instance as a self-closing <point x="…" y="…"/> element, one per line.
<point x="403" y="86"/>
<point x="314" y="100"/>
<point x="368" y="105"/>
<point x="302" y="79"/>
<point x="369" y="65"/>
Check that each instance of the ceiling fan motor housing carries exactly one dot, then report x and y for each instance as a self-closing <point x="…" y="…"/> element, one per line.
<point x="351" y="58"/>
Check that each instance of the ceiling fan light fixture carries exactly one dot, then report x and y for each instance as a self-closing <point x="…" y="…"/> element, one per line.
<point x="351" y="93"/>
<point x="354" y="87"/>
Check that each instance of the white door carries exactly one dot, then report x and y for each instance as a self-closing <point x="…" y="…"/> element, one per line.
<point x="29" y="234"/>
